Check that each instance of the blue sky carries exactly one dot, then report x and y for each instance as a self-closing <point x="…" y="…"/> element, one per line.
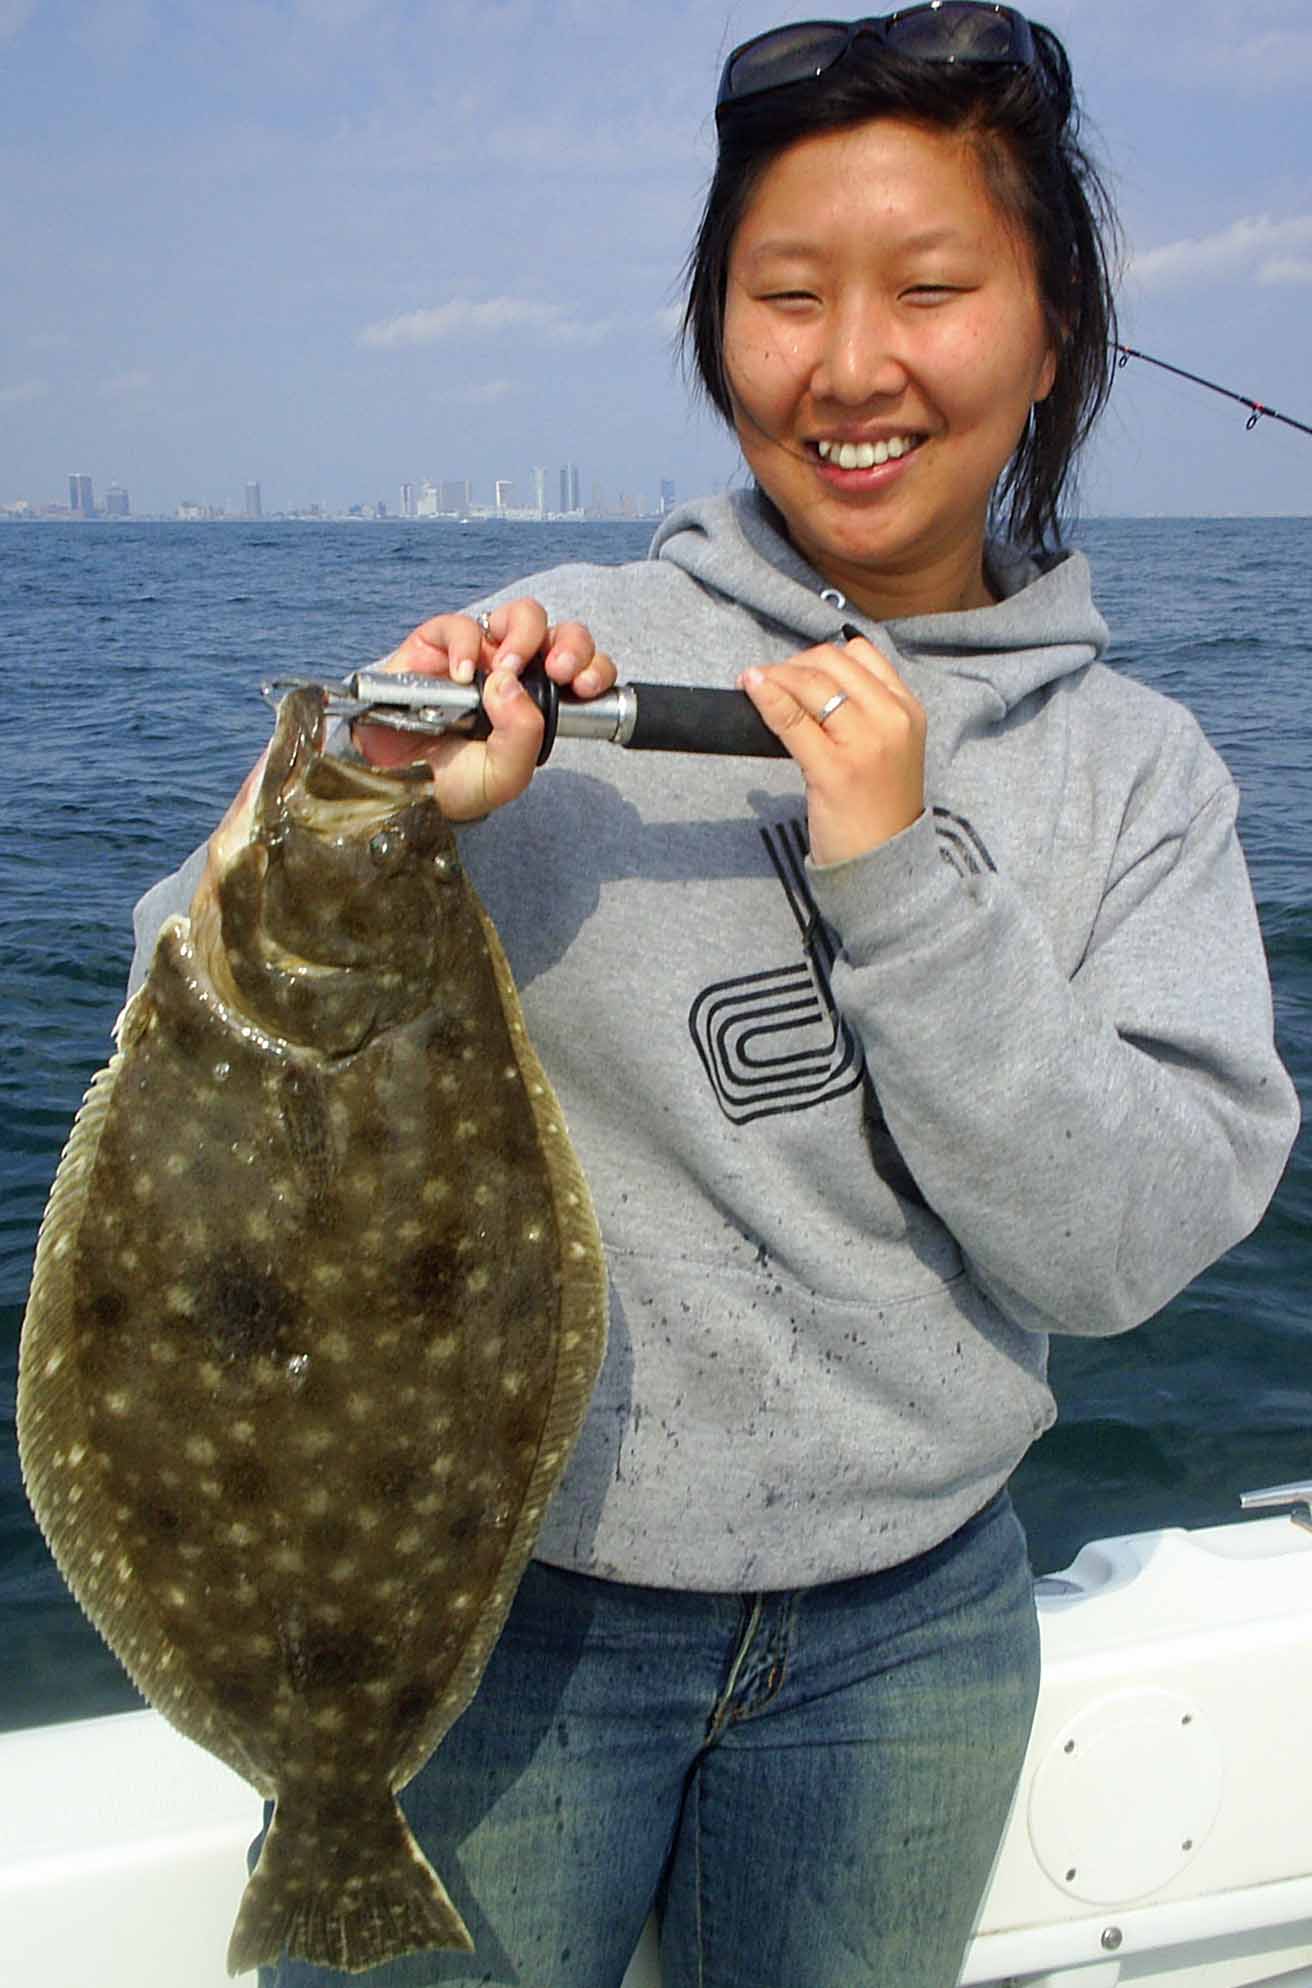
<point x="335" y="244"/>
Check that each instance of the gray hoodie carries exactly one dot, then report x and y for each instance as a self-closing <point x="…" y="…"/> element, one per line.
<point x="860" y="1137"/>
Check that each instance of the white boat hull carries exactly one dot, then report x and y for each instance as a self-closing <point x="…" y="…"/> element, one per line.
<point x="1161" y="1833"/>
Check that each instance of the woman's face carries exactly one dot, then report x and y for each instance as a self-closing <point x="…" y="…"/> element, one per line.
<point x="884" y="342"/>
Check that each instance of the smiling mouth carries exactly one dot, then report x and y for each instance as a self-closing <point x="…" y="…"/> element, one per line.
<point x="865" y="455"/>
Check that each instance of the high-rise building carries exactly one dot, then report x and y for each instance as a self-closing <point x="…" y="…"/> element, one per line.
<point x="540" y="490"/>
<point x="254" y="508"/>
<point x="505" y="497"/>
<point x="667" y="496"/>
<point x="81" y="500"/>
<point x="457" y="497"/>
<point x="427" y="499"/>
<point x="407" y="500"/>
<point x="117" y="504"/>
<point x="569" y="487"/>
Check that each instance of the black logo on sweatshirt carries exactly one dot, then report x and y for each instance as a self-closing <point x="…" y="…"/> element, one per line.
<point x="774" y="1041"/>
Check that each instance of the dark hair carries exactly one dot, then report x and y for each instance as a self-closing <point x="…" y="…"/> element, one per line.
<point x="1024" y="126"/>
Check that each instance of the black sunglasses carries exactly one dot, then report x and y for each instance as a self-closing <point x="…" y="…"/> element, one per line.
<point x="942" y="31"/>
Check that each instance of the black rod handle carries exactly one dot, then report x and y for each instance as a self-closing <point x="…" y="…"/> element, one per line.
<point x="673" y="718"/>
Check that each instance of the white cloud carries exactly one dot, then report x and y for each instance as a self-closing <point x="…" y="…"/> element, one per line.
<point x="1286" y="269"/>
<point x="122" y="385"/>
<point x="1265" y="249"/>
<point x="464" y="317"/>
<point x="14" y="15"/>
<point x="24" y="390"/>
<point x="486" y="393"/>
<point x="112" y="29"/>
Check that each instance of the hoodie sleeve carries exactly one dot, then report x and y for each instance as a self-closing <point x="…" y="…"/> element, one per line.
<point x="1092" y="1139"/>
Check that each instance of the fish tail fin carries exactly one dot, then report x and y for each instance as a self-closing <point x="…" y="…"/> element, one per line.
<point x="376" y="1898"/>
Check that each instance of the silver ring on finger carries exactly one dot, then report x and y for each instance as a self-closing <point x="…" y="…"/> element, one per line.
<point x="484" y="621"/>
<point x="828" y="708"/>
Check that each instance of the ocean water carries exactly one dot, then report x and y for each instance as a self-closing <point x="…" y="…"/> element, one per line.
<point x="131" y="658"/>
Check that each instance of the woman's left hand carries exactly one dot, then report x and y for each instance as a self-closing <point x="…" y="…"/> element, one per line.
<point x="864" y="767"/>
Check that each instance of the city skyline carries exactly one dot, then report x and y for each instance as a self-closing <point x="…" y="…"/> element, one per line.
<point x="426" y="499"/>
<point x="303" y="251"/>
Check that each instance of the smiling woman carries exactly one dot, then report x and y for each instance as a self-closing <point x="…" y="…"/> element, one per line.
<point x="885" y="342"/>
<point x="885" y="1059"/>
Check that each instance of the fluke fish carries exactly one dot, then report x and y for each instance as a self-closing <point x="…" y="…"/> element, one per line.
<point x="317" y="1308"/>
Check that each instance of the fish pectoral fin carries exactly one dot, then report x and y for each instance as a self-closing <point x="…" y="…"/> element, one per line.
<point x="347" y="1894"/>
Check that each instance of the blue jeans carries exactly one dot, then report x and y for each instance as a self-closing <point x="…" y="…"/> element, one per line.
<point x="808" y="1786"/>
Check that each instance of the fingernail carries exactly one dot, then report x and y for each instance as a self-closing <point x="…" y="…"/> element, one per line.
<point x="567" y="659"/>
<point x="750" y="679"/>
<point x="462" y="669"/>
<point x="510" y="661"/>
<point x="507" y="685"/>
<point x="851" y="634"/>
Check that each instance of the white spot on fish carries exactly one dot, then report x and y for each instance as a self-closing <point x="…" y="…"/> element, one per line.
<point x="199" y="1449"/>
<point x="467" y="1128"/>
<point x="408" y="1541"/>
<point x="335" y="1346"/>
<point x="52" y="1365"/>
<point x="119" y="1402"/>
<point x="477" y="1281"/>
<point x="329" y="1275"/>
<point x="288" y="1560"/>
<point x="240" y="1534"/>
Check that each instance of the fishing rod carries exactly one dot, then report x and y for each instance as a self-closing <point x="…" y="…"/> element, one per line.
<point x="1128" y="352"/>
<point x="650" y="717"/>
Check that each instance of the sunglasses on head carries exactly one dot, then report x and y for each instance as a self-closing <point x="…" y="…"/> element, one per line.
<point x="942" y="31"/>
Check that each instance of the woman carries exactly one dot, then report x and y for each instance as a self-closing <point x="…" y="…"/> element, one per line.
<point x="885" y="1060"/>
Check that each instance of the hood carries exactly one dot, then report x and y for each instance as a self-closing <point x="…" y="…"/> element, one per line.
<point x="1044" y="627"/>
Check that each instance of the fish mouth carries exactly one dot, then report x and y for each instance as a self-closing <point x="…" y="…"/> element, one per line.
<point x="337" y="800"/>
<point x="318" y="918"/>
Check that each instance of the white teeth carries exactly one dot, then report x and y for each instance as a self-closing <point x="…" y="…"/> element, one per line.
<point x="865" y="455"/>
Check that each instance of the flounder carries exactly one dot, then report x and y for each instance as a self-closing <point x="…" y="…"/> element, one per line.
<point x="317" y="1308"/>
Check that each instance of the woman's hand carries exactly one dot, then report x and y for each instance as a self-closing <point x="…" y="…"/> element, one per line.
<point x="473" y="776"/>
<point x="864" y="767"/>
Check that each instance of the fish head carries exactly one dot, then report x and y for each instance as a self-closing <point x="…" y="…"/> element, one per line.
<point x="319" y="916"/>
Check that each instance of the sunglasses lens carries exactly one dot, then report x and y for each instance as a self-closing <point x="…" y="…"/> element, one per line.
<point x="788" y="55"/>
<point x="962" y="33"/>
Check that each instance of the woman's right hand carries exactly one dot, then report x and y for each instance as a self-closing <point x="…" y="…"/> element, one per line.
<point x="473" y="776"/>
